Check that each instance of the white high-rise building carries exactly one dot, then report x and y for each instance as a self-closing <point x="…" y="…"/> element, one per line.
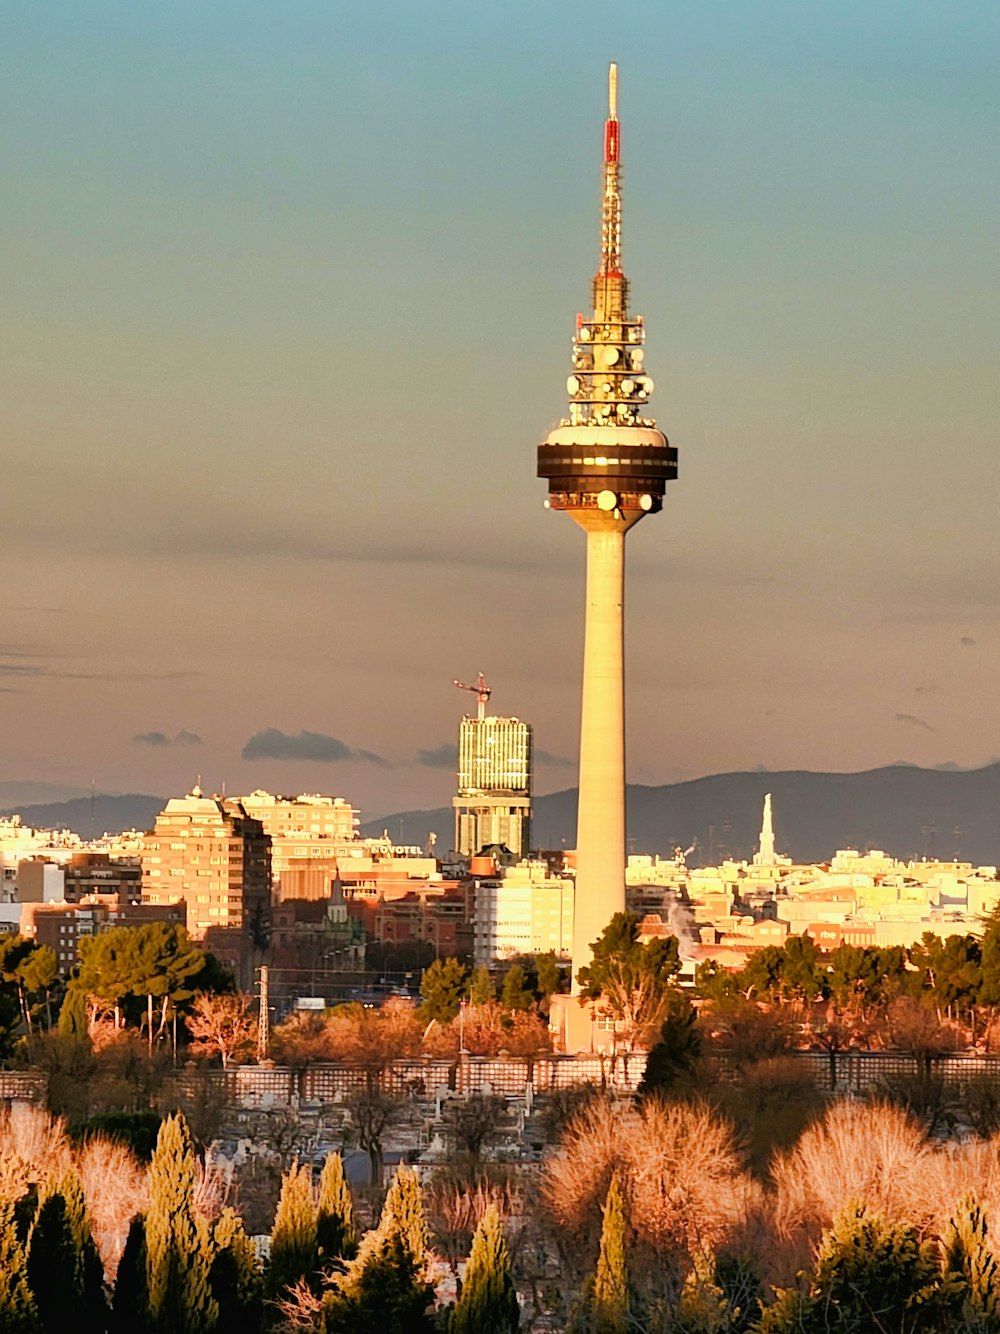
<point x="525" y="910"/>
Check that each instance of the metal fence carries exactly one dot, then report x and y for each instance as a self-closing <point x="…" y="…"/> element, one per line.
<point x="326" y="1083"/>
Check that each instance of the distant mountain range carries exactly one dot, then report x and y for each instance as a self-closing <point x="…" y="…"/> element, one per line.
<point x="902" y="809"/>
<point x="905" y="810"/>
<point x="92" y="816"/>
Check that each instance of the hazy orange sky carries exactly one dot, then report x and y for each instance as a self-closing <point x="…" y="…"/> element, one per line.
<point x="289" y="292"/>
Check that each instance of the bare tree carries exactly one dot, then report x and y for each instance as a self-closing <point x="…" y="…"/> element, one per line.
<point x="222" y="1024"/>
<point x="473" y="1121"/>
<point x="372" y="1112"/>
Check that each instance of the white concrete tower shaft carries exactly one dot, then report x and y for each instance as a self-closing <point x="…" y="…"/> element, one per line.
<point x="606" y="466"/>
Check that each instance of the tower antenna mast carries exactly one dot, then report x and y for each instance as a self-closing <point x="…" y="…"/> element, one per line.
<point x="607" y="466"/>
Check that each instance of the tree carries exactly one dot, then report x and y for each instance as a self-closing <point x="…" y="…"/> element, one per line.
<point x="488" y="1302"/>
<point x="630" y="980"/>
<point x="50" y="1266"/>
<point x="35" y="974"/>
<point x="17" y="1310"/>
<point x="222" y="1024"/>
<point x="869" y="1275"/>
<point x="384" y="1290"/>
<point x="951" y="970"/>
<point x="294" y="1254"/>
<point x="971" y="1280"/>
<point x="443" y="987"/>
<point x="64" y="1270"/>
<point x="915" y="1028"/>
<point x="235" y="1276"/>
<point x="335" y="1235"/>
<point x="130" y="1305"/>
<point x="606" y="1305"/>
<point x="792" y="971"/>
<point x="516" y="994"/>
<point x="676" y="1051"/>
<point x="131" y="963"/>
<point x="549" y="977"/>
<point x="474" y="1120"/>
<point x="178" y="1244"/>
<point x="372" y="1112"/>
<point x="481" y="988"/>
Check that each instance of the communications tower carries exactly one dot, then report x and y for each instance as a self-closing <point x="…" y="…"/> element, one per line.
<point x="607" y="467"/>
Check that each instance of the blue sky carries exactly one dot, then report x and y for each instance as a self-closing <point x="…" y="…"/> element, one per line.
<point x="288" y="299"/>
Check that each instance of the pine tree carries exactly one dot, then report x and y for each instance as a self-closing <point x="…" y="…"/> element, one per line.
<point x="335" y="1234"/>
<point x="235" y="1276"/>
<point x="64" y="1270"/>
<point x="17" y="1310"/>
<point x="178" y="1242"/>
<point x="130" y="1305"/>
<point x="516" y="994"/>
<point x="606" y="1306"/>
<point x="481" y="988"/>
<point x="676" y="1051"/>
<point x="293" y="1239"/>
<point x="971" y="1277"/>
<point x="488" y="1304"/>
<point x="384" y="1290"/>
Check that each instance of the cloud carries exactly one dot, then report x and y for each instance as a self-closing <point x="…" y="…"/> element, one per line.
<point x="181" y="738"/>
<point x="443" y="757"/>
<point x="967" y="641"/>
<point x="272" y="744"/>
<point x="546" y="758"/>
<point x="34" y="671"/>
<point x="911" y="720"/>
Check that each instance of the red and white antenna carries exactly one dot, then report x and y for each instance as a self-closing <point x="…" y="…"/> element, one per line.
<point x="611" y="212"/>
<point x="481" y="691"/>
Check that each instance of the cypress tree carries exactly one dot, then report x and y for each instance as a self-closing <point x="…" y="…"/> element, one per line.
<point x="488" y="1304"/>
<point x="606" y="1306"/>
<point x="17" y="1310"/>
<point x="130" y="1305"/>
<point x="50" y="1265"/>
<point x="971" y="1277"/>
<point x="64" y="1270"/>
<point x="293" y="1239"/>
<point x="178" y="1243"/>
<point x="235" y="1276"/>
<point x="335" y="1234"/>
<point x="384" y="1289"/>
<point x="92" y="1314"/>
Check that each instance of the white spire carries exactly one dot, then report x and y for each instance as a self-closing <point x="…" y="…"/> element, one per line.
<point x="765" y="857"/>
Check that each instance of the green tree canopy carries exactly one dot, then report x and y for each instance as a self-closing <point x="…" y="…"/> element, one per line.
<point x="443" y="986"/>
<point x="336" y="1237"/>
<point x="488" y="1302"/>
<point x="676" y="1051"/>
<point x="294" y="1253"/>
<point x="516" y="993"/>
<point x="630" y="979"/>
<point x="178" y="1241"/>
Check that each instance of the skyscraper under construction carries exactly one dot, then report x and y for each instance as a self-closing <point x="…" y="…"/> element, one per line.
<point x="493" y="804"/>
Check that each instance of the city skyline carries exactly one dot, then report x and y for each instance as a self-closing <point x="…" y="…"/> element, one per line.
<point x="287" y="297"/>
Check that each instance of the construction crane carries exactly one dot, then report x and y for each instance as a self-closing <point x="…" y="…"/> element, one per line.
<point x="481" y="691"/>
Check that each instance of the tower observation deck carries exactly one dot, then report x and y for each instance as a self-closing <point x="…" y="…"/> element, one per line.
<point x="606" y="465"/>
